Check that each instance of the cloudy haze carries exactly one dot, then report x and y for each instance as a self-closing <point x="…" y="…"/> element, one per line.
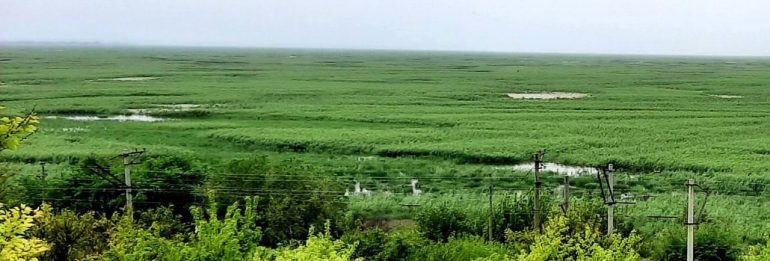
<point x="700" y="27"/>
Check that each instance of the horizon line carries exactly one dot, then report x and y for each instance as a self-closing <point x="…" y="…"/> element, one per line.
<point x="193" y="46"/>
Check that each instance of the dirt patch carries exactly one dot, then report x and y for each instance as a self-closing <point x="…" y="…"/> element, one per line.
<point x="727" y="96"/>
<point x="390" y="224"/>
<point x="547" y="95"/>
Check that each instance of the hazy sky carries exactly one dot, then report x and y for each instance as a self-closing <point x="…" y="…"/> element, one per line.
<point x="708" y="27"/>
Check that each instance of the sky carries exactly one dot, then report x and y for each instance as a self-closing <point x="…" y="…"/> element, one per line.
<point x="667" y="27"/>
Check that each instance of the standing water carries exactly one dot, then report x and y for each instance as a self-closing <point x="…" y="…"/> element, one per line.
<point x="135" y="117"/>
<point x="555" y="168"/>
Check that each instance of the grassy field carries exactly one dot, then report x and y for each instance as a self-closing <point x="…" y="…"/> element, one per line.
<point x="643" y="113"/>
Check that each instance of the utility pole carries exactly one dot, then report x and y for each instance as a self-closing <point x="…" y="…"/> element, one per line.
<point x="42" y="171"/>
<point x="538" y="158"/>
<point x="611" y="203"/>
<point x="128" y="160"/>
<point x="491" y="213"/>
<point x="129" y="195"/>
<point x="565" y="199"/>
<point x="690" y="219"/>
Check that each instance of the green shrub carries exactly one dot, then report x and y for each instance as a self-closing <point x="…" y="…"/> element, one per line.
<point x="233" y="237"/>
<point x="711" y="243"/>
<point x="560" y="242"/>
<point x="318" y="247"/>
<point x="370" y="243"/>
<point x="400" y="245"/>
<point x="460" y="249"/>
<point x="71" y="236"/>
<point x="442" y="220"/>
<point x="757" y="253"/>
<point x="294" y="196"/>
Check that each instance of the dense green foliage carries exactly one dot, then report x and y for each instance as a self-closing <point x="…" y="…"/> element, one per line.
<point x="14" y="242"/>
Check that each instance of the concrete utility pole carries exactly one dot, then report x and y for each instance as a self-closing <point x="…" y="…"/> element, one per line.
<point x="129" y="195"/>
<point x="491" y="213"/>
<point x="565" y="199"/>
<point x="611" y="202"/>
<point x="42" y="171"/>
<point x="128" y="160"/>
<point x="690" y="220"/>
<point x="538" y="158"/>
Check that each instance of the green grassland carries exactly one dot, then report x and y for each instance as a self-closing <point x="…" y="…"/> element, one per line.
<point x="643" y="113"/>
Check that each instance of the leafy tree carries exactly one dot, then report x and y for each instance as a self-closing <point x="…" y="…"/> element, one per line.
<point x="14" y="244"/>
<point x="15" y="129"/>
<point x="169" y="181"/>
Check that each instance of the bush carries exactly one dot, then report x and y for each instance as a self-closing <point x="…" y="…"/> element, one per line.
<point x="294" y="196"/>
<point x="318" y="248"/>
<point x="450" y="216"/>
<point x="169" y="181"/>
<point x="376" y="244"/>
<point x="757" y="253"/>
<point x="233" y="237"/>
<point x="10" y="192"/>
<point x="440" y="221"/>
<point x="71" y="236"/>
<point x="461" y="249"/>
<point x="558" y="243"/>
<point x="401" y="244"/>
<point x="14" y="244"/>
<point x="370" y="243"/>
<point x="711" y="243"/>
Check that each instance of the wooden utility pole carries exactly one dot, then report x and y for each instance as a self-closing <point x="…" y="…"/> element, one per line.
<point x="128" y="160"/>
<point x="565" y="199"/>
<point x="611" y="202"/>
<point x="690" y="220"/>
<point x="491" y="213"/>
<point x="538" y="158"/>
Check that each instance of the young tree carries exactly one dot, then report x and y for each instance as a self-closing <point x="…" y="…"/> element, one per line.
<point x="14" y="245"/>
<point x="14" y="222"/>
<point x="13" y="130"/>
